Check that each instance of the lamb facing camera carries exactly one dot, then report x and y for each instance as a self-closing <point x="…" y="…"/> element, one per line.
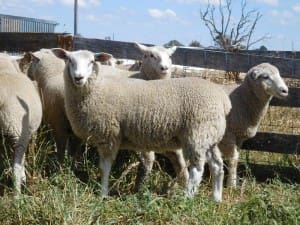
<point x="159" y="115"/>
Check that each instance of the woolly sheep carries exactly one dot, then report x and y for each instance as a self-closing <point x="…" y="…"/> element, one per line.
<point x="12" y="64"/>
<point x="156" y="63"/>
<point x="20" y="114"/>
<point x="47" y="70"/>
<point x="107" y="59"/>
<point x="250" y="102"/>
<point x="160" y="115"/>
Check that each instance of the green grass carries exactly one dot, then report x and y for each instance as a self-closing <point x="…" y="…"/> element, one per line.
<point x="64" y="194"/>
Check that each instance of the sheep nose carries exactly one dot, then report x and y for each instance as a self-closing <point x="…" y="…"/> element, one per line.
<point x="78" y="78"/>
<point x="284" y="90"/>
<point x="164" y="68"/>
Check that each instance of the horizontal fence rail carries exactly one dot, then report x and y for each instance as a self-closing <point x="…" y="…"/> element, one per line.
<point x="23" y="42"/>
<point x="288" y="64"/>
<point x="212" y="59"/>
<point x="293" y="99"/>
<point x="274" y="142"/>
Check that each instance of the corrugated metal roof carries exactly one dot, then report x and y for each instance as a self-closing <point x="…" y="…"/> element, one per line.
<point x="29" y="19"/>
<point x="10" y="23"/>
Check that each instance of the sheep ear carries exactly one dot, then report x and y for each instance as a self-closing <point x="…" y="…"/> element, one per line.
<point x="103" y="57"/>
<point x="171" y="50"/>
<point x="27" y="57"/>
<point x="60" y="53"/>
<point x="142" y="48"/>
<point x="254" y="73"/>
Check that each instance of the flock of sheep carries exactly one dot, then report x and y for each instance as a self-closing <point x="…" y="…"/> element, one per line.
<point x="83" y="96"/>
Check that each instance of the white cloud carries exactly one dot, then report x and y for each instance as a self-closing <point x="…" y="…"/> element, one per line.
<point x="102" y="19"/>
<point x="284" y="16"/>
<point x="269" y="2"/>
<point x="82" y="3"/>
<point x="15" y="7"/>
<point x="40" y="2"/>
<point x="296" y="7"/>
<point x="159" y="14"/>
<point x="213" y="2"/>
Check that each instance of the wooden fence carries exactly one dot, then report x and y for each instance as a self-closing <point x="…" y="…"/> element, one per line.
<point x="287" y="62"/>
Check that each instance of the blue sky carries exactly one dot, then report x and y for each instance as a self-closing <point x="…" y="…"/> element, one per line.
<point x="159" y="21"/>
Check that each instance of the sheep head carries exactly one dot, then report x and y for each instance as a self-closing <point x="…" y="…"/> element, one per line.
<point x="80" y="64"/>
<point x="156" y="60"/>
<point x="268" y="79"/>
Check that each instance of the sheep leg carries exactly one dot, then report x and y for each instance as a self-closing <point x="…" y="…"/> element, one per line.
<point x="60" y="138"/>
<point x="144" y="168"/>
<point x="215" y="163"/>
<point x="179" y="165"/>
<point x="74" y="148"/>
<point x="197" y="158"/>
<point x="105" y="163"/>
<point x="20" y="146"/>
<point x="232" y="168"/>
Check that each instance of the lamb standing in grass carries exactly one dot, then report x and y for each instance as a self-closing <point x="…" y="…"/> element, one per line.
<point x="157" y="64"/>
<point x="20" y="114"/>
<point x="160" y="115"/>
<point x="47" y="70"/>
<point x="250" y="102"/>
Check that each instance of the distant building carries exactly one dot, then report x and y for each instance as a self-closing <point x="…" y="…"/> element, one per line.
<point x="10" y="23"/>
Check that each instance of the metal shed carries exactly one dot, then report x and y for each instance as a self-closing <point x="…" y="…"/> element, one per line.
<point x="9" y="23"/>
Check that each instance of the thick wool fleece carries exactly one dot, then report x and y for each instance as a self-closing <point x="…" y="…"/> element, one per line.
<point x="250" y="103"/>
<point x="20" y="105"/>
<point x="20" y="115"/>
<point x="146" y="115"/>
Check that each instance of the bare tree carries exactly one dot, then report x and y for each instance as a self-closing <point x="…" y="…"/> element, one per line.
<point x="227" y="33"/>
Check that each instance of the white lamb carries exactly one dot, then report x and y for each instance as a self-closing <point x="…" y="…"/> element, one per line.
<point x="250" y="102"/>
<point x="47" y="70"/>
<point x="160" y="115"/>
<point x="20" y="114"/>
<point x="156" y="64"/>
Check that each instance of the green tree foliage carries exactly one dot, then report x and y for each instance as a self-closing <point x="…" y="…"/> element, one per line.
<point x="173" y="43"/>
<point x="195" y="43"/>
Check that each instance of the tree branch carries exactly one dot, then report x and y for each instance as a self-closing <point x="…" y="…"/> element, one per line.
<point x="228" y="35"/>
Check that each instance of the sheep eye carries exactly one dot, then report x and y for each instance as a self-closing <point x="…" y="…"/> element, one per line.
<point x="91" y="62"/>
<point x="265" y="76"/>
<point x="70" y="61"/>
<point x="152" y="56"/>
